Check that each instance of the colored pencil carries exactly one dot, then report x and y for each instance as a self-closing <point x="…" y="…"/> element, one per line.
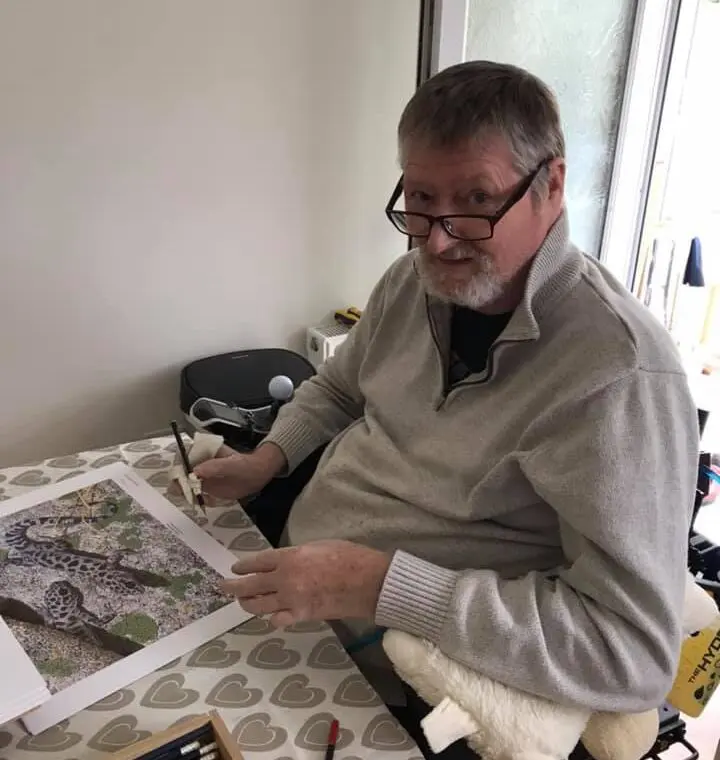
<point x="332" y="740"/>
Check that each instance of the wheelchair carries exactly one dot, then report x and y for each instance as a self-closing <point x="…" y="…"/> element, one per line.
<point x="270" y="508"/>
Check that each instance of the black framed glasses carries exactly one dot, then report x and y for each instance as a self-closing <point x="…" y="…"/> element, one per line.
<point x="458" y="226"/>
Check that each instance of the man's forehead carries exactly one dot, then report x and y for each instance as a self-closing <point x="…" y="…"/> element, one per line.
<point x="489" y="159"/>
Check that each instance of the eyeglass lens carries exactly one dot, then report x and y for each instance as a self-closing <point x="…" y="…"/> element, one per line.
<point x="467" y="227"/>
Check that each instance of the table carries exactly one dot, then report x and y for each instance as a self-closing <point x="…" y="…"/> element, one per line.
<point x="277" y="691"/>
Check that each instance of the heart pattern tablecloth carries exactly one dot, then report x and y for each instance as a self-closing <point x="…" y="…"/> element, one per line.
<point x="277" y="691"/>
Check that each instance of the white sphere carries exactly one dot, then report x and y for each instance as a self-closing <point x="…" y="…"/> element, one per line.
<point x="281" y="388"/>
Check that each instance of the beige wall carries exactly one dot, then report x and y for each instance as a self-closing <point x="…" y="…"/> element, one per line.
<point x="180" y="178"/>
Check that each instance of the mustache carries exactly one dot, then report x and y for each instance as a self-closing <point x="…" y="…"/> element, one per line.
<point x="460" y="250"/>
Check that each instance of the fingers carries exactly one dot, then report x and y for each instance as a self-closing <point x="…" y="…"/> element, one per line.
<point x="283" y="619"/>
<point x="249" y="586"/>
<point x="261" y="562"/>
<point x="261" y="605"/>
<point x="212" y="468"/>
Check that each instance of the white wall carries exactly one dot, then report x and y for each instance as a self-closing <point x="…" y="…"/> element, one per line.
<point x="167" y="170"/>
<point x="365" y="59"/>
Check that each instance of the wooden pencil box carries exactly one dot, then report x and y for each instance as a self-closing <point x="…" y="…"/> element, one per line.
<point x="227" y="747"/>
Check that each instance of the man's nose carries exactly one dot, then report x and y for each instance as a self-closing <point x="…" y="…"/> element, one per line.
<point x="438" y="240"/>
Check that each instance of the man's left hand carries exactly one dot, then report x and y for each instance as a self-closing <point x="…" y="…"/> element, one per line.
<point x="322" y="580"/>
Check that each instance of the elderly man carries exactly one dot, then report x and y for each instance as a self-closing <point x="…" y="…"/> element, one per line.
<point x="512" y="446"/>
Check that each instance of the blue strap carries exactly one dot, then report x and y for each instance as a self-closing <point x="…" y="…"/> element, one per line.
<point x="711" y="474"/>
<point x="365" y="641"/>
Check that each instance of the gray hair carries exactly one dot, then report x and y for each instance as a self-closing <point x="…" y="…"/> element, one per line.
<point x="470" y="100"/>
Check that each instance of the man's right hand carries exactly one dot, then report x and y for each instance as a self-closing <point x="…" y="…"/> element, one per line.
<point x="231" y="475"/>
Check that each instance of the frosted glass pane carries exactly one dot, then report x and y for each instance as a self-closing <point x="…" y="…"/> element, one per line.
<point x="580" y="49"/>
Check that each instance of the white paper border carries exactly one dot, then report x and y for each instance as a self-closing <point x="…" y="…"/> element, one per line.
<point x="18" y="669"/>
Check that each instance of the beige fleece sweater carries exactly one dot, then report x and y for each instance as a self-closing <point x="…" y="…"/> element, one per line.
<point x="538" y="512"/>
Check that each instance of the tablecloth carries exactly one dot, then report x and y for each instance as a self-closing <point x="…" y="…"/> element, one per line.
<point x="277" y="691"/>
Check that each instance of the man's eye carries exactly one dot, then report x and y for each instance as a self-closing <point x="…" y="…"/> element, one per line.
<point x="419" y="196"/>
<point x="478" y="198"/>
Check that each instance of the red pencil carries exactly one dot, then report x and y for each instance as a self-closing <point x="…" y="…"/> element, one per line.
<point x="332" y="740"/>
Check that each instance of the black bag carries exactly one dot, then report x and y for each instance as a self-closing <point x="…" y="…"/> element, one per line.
<point x="240" y="378"/>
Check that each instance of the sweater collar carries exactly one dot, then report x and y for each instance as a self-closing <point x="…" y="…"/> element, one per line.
<point x="555" y="268"/>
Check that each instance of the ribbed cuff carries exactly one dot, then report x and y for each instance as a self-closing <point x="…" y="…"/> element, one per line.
<point x="296" y="439"/>
<point x="416" y="596"/>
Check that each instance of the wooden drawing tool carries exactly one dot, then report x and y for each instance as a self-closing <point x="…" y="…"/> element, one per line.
<point x="195" y="486"/>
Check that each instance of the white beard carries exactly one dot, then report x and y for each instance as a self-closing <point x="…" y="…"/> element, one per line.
<point x="482" y="289"/>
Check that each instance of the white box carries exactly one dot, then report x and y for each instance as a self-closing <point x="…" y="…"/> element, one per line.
<point x="322" y="341"/>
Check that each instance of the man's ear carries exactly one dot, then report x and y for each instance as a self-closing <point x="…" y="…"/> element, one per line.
<point x="556" y="181"/>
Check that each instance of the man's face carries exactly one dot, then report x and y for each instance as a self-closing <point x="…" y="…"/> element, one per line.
<point x="487" y="275"/>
